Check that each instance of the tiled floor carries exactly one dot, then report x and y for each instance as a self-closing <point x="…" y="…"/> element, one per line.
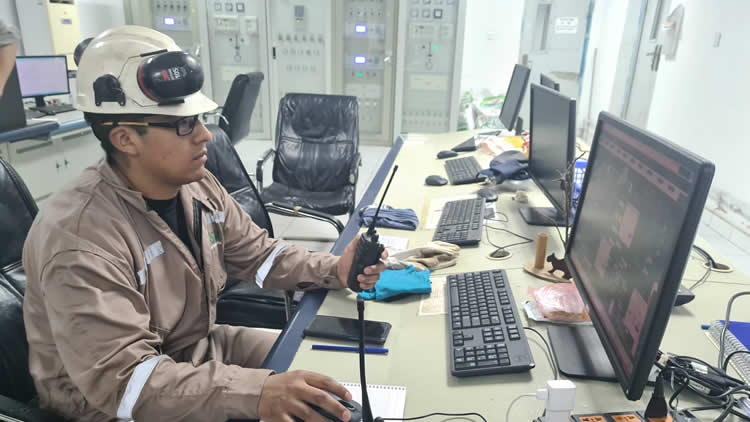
<point x="372" y="157"/>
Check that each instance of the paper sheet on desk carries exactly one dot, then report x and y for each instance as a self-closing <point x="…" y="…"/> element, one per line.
<point x="394" y="244"/>
<point x="386" y="401"/>
<point x="434" y="303"/>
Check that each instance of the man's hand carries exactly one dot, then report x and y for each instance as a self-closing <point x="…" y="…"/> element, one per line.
<point x="371" y="274"/>
<point x="286" y="395"/>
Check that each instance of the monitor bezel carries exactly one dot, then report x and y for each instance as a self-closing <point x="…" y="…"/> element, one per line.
<point x="658" y="316"/>
<point x="67" y="70"/>
<point x="550" y="83"/>
<point x="570" y="152"/>
<point x="516" y="68"/>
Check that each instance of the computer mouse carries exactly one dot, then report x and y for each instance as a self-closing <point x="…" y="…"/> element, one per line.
<point x="446" y="154"/>
<point x="435" y="180"/>
<point x="488" y="194"/>
<point x="354" y="408"/>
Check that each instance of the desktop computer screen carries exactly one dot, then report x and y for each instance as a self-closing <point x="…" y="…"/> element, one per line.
<point x="548" y="82"/>
<point x="514" y="96"/>
<point x="641" y="202"/>
<point x="42" y="75"/>
<point x="551" y="150"/>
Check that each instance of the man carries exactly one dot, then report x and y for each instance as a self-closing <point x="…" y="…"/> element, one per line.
<point x="124" y="267"/>
<point x="8" y="39"/>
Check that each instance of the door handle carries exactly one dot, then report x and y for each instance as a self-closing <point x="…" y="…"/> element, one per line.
<point x="654" y="54"/>
<point x="658" y="57"/>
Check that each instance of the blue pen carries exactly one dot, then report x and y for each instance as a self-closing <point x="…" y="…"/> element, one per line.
<point x="368" y="350"/>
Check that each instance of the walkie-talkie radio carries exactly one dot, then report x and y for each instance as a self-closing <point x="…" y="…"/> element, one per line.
<point x="369" y="249"/>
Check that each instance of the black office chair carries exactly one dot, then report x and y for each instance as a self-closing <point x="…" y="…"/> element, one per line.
<point x="316" y="155"/>
<point x="242" y="303"/>
<point x="17" y="211"/>
<point x="235" y="115"/>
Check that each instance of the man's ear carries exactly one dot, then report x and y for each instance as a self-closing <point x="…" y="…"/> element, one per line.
<point x="126" y="140"/>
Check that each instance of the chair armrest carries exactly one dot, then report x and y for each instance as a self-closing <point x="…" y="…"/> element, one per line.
<point x="293" y="211"/>
<point x="14" y="410"/>
<point x="354" y="169"/>
<point x="259" y="167"/>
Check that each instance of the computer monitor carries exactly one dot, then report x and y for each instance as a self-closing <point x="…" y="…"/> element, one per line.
<point x="548" y="82"/>
<point x="639" y="209"/>
<point x="514" y="96"/>
<point x="40" y="76"/>
<point x="551" y="149"/>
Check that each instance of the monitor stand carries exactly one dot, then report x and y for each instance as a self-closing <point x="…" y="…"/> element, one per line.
<point x="579" y="352"/>
<point x="537" y="216"/>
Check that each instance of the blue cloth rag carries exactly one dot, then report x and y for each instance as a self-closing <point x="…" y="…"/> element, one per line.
<point x="397" y="284"/>
<point x="508" y="165"/>
<point x="404" y="219"/>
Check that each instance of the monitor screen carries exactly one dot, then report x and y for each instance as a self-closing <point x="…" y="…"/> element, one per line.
<point x="548" y="82"/>
<point x="514" y="96"/>
<point x="42" y="75"/>
<point x="640" y="206"/>
<point x="552" y="143"/>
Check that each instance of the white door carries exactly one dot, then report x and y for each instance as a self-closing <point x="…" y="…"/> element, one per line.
<point x="638" y="98"/>
<point x="552" y="42"/>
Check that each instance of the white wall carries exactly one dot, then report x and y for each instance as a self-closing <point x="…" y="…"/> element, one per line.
<point x="701" y="99"/>
<point x="98" y="15"/>
<point x="491" y="44"/>
<point x="606" y="39"/>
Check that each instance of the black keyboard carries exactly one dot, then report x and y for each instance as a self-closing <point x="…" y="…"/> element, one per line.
<point x="54" y="108"/>
<point x="461" y="222"/>
<point x="463" y="170"/>
<point x="486" y="333"/>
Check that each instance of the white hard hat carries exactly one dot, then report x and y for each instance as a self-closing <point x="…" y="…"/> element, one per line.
<point x="137" y="70"/>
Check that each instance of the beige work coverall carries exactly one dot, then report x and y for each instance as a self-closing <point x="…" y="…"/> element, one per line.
<point x="120" y="316"/>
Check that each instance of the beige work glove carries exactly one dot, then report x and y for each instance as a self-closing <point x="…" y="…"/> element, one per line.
<point x="432" y="256"/>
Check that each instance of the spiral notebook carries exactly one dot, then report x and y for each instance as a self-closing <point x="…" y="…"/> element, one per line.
<point x="737" y="338"/>
<point x="386" y="401"/>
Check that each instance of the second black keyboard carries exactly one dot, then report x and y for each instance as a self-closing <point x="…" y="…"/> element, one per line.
<point x="485" y="330"/>
<point x="461" y="222"/>
<point x="463" y="170"/>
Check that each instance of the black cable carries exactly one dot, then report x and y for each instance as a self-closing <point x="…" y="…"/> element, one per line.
<point x="555" y="368"/>
<point x="366" y="409"/>
<point x="729" y="357"/>
<point x="430" y="415"/>
<point x="487" y="233"/>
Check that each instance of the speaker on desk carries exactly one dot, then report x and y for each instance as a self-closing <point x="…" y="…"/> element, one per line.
<point x="11" y="104"/>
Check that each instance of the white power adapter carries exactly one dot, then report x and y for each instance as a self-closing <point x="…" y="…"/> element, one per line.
<point x="559" y="397"/>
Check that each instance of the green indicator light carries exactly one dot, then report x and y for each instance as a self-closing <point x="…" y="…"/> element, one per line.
<point x="435" y="47"/>
<point x="359" y="74"/>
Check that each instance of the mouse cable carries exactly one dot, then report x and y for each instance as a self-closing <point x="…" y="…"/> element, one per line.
<point x="379" y="419"/>
<point x="551" y="356"/>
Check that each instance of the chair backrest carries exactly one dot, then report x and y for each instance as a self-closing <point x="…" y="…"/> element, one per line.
<point x="224" y="163"/>
<point x="238" y="108"/>
<point x="17" y="212"/>
<point x="317" y="141"/>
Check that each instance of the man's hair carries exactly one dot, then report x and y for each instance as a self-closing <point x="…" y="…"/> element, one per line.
<point x="95" y="120"/>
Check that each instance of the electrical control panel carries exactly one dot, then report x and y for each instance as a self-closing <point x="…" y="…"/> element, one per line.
<point x="176" y="18"/>
<point x="430" y="64"/>
<point x="237" y="44"/>
<point x="365" y="62"/>
<point x="300" y="36"/>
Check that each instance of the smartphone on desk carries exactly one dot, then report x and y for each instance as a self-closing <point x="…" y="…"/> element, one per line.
<point x="338" y="328"/>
